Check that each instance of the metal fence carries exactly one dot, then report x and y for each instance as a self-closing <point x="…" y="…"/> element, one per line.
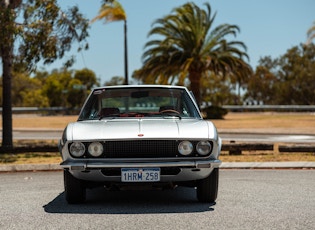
<point x="276" y="108"/>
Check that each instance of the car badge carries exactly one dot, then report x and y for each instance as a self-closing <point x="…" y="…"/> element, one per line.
<point x="140" y="135"/>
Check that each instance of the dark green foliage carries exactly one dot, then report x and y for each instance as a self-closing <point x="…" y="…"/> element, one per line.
<point x="214" y="112"/>
<point x="287" y="80"/>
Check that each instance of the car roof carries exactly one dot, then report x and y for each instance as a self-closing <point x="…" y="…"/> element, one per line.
<point x="140" y="86"/>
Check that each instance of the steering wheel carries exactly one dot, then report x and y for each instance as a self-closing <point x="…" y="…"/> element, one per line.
<point x="170" y="111"/>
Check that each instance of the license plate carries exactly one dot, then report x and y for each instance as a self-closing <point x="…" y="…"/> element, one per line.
<point x="140" y="174"/>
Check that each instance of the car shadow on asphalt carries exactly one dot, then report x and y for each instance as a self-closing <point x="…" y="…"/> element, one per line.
<point x="100" y="201"/>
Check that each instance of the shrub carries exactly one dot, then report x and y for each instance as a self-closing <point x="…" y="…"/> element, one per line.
<point x="214" y="112"/>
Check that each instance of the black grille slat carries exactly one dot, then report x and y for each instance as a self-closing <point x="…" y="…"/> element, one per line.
<point x="141" y="148"/>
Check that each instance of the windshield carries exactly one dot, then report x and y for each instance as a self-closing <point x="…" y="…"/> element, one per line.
<point x="138" y="102"/>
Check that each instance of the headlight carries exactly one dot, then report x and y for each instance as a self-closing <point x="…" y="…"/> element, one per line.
<point x="77" y="149"/>
<point x="204" y="147"/>
<point x="95" y="149"/>
<point x="185" y="148"/>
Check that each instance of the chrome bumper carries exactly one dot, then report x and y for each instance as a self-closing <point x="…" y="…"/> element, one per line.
<point x="87" y="165"/>
<point x="189" y="170"/>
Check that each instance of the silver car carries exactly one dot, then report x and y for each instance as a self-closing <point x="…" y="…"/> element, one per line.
<point x="140" y="135"/>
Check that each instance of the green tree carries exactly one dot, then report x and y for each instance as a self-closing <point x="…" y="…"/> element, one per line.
<point x="33" y="31"/>
<point x="56" y="87"/>
<point x="297" y="76"/>
<point x="23" y="85"/>
<point x="87" y="77"/>
<point x="187" y="45"/>
<point x="67" y="88"/>
<point x="239" y="78"/>
<point x="76" y="93"/>
<point x="115" y="81"/>
<point x="216" y="90"/>
<point x="261" y="85"/>
<point x="34" y="98"/>
<point x="111" y="11"/>
<point x="27" y="91"/>
<point x="287" y="80"/>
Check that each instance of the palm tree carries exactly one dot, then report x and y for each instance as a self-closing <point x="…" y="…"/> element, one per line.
<point x="311" y="34"/>
<point x="111" y="11"/>
<point x="189" y="48"/>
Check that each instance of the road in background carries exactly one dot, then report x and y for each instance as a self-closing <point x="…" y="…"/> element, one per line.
<point x="267" y="137"/>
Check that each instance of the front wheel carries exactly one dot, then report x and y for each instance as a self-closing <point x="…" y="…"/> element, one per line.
<point x="207" y="189"/>
<point x="75" y="190"/>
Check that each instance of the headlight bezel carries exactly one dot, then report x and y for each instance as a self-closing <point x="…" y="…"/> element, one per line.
<point x="185" y="148"/>
<point x="204" y="144"/>
<point x="77" y="149"/>
<point x="95" y="146"/>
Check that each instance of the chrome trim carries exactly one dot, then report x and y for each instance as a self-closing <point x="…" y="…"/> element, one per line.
<point x="99" y="165"/>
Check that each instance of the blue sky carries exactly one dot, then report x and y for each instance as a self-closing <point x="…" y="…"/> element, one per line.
<point x="268" y="28"/>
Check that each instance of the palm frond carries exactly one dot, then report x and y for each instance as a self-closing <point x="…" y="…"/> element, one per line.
<point x="188" y="45"/>
<point x="111" y="11"/>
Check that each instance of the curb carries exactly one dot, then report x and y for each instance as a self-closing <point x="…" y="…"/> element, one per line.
<point x="29" y="167"/>
<point x="224" y="165"/>
<point x="269" y="165"/>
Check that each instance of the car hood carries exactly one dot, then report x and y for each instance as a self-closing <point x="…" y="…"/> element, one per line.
<point x="116" y="129"/>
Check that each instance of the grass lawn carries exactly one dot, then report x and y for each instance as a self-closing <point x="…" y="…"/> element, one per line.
<point x="299" y="123"/>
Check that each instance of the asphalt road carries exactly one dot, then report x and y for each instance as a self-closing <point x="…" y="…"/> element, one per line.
<point x="226" y="136"/>
<point x="248" y="199"/>
<point x="268" y="137"/>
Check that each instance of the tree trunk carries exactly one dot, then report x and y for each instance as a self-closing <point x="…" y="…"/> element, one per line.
<point x="6" y="51"/>
<point x="7" y="142"/>
<point x="194" y="77"/>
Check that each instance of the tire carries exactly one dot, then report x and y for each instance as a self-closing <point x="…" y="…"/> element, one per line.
<point x="207" y="189"/>
<point x="75" y="191"/>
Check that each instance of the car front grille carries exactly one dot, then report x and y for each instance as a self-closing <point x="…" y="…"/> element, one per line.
<point x="140" y="149"/>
